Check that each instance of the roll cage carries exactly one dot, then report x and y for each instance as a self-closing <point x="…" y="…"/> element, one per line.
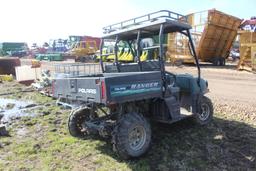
<point x="156" y="23"/>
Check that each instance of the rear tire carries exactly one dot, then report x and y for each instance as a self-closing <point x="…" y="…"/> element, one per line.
<point x="76" y="120"/>
<point x="131" y="136"/>
<point x="205" y="114"/>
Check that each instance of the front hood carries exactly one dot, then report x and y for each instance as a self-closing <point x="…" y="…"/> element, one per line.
<point x="204" y="86"/>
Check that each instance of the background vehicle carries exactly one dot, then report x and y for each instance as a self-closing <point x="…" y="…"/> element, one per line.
<point x="118" y="100"/>
<point x="83" y="50"/>
<point x="213" y="33"/>
<point x="74" y="39"/>
<point x="58" y="46"/>
<point x="18" y="49"/>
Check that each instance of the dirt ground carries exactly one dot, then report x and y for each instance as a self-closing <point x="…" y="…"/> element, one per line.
<point x="232" y="91"/>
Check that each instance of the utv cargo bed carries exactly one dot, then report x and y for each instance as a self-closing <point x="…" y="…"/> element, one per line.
<point x="110" y="88"/>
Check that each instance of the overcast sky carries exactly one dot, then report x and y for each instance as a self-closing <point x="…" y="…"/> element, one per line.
<point x="41" y="20"/>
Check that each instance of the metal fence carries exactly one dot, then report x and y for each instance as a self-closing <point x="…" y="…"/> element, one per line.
<point x="71" y="70"/>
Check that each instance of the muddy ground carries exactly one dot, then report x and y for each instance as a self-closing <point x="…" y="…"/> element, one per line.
<point x="42" y="142"/>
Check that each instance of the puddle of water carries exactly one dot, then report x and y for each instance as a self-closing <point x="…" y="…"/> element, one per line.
<point x="11" y="109"/>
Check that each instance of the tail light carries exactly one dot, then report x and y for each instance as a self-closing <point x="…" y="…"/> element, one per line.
<point x="103" y="90"/>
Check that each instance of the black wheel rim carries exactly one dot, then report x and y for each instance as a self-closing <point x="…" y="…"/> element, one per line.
<point x="205" y="112"/>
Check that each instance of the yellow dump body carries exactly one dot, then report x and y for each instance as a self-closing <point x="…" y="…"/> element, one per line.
<point x="247" y="51"/>
<point x="213" y="33"/>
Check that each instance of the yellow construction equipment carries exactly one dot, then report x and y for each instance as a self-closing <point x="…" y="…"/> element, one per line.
<point x="6" y="77"/>
<point x="213" y="33"/>
<point x="83" y="50"/>
<point x="35" y="63"/>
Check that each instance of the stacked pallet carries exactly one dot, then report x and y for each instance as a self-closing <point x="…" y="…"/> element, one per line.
<point x="247" y="51"/>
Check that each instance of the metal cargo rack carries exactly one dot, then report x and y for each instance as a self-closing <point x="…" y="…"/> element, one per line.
<point x="77" y="70"/>
<point x="162" y="14"/>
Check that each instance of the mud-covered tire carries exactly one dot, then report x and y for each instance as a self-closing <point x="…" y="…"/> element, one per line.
<point x="205" y="114"/>
<point x="76" y="118"/>
<point x="131" y="136"/>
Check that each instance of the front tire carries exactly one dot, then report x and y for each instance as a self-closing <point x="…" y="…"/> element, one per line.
<point x="205" y="113"/>
<point x="131" y="136"/>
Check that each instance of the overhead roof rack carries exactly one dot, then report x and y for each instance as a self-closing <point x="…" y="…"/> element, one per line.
<point x="148" y="25"/>
<point x="145" y="19"/>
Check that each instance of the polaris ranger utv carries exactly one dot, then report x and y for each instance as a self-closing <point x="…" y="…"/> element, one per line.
<point x="118" y="100"/>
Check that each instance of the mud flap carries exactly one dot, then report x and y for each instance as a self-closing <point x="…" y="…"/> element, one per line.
<point x="196" y="99"/>
<point x="174" y="107"/>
